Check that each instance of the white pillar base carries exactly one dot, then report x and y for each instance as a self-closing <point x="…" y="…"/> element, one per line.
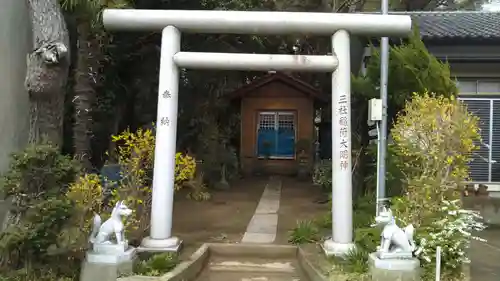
<point x="172" y="244"/>
<point x="332" y="248"/>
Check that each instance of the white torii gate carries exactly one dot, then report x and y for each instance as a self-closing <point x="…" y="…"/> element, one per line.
<point x="173" y="22"/>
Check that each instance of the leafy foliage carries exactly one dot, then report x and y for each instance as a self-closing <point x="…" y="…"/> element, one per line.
<point x="35" y="182"/>
<point x="136" y="157"/>
<point x="156" y="265"/>
<point x="435" y="137"/>
<point x="324" y="221"/>
<point x="34" y="274"/>
<point x="37" y="173"/>
<point x="322" y="174"/>
<point x="356" y="260"/>
<point x="86" y="197"/>
<point x="52" y="212"/>
<point x="305" y="232"/>
<point x="412" y="69"/>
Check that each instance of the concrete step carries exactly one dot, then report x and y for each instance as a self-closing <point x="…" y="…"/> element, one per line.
<point x="251" y="269"/>
<point x="246" y="276"/>
<point x="253" y="265"/>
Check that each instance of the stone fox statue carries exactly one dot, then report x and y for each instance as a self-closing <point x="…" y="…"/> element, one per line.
<point x="394" y="239"/>
<point x="101" y="233"/>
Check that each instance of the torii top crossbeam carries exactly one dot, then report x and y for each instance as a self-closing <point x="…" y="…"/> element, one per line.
<point x="256" y="22"/>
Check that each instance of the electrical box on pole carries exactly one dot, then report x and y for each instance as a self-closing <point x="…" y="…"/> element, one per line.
<point x="375" y="110"/>
<point x="374" y="116"/>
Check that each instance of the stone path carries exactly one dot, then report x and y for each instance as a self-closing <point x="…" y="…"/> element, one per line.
<point x="486" y="256"/>
<point x="264" y="223"/>
<point x="262" y="229"/>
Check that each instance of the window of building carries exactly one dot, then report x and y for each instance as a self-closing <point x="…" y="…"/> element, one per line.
<point x="474" y="86"/>
<point x="276" y="134"/>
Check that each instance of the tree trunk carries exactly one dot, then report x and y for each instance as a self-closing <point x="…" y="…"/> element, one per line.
<point x="47" y="71"/>
<point x="85" y="78"/>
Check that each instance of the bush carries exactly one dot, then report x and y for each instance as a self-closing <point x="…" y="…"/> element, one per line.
<point x="434" y="137"/>
<point x="157" y="265"/>
<point x="34" y="275"/>
<point x="136" y="157"/>
<point x="322" y="174"/>
<point x="305" y="232"/>
<point x="413" y="69"/>
<point x="86" y="197"/>
<point x="367" y="238"/>
<point x="36" y="182"/>
<point x="35" y="174"/>
<point x="393" y="173"/>
<point x="356" y="261"/>
<point x="324" y="221"/>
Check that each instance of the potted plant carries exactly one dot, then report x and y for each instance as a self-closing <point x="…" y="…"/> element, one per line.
<point x="303" y="154"/>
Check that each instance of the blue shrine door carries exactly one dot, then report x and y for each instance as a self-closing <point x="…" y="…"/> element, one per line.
<point x="276" y="134"/>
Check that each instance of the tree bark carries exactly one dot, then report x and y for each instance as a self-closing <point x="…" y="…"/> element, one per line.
<point x="85" y="78"/>
<point x="47" y="71"/>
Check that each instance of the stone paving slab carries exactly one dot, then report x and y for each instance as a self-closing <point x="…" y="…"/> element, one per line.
<point x="259" y="238"/>
<point x="264" y="223"/>
<point x="268" y="206"/>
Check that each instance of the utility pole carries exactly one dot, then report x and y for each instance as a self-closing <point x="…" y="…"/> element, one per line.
<point x="382" y="143"/>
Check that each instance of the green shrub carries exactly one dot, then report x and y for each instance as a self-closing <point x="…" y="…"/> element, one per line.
<point x="35" y="174"/>
<point x="35" y="182"/>
<point x="157" y="265"/>
<point x="34" y="275"/>
<point x="367" y="238"/>
<point x="413" y="69"/>
<point x="322" y="174"/>
<point x="393" y="174"/>
<point x="324" y="221"/>
<point x="356" y="260"/>
<point x="305" y="232"/>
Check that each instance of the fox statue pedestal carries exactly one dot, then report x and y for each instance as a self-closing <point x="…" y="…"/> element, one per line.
<point x="107" y="260"/>
<point x="394" y="258"/>
<point x="393" y="269"/>
<point x="111" y="254"/>
<point x="107" y="266"/>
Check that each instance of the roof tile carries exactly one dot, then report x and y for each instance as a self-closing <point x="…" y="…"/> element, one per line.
<point x="457" y="24"/>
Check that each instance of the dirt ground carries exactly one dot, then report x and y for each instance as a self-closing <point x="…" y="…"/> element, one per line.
<point x="223" y="218"/>
<point x="298" y="202"/>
